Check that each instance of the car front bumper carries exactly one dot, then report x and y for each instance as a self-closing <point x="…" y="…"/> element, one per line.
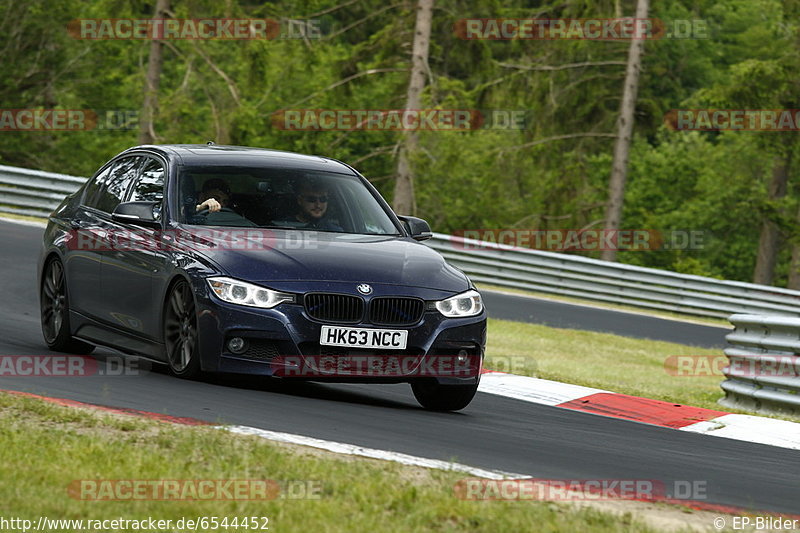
<point x="284" y="342"/>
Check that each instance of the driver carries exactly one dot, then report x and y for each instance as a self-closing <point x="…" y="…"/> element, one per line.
<point x="215" y="195"/>
<point x="215" y="205"/>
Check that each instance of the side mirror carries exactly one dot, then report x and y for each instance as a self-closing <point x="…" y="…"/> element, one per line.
<point x="143" y="213"/>
<point x="418" y="228"/>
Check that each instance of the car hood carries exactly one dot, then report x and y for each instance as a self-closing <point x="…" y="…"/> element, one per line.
<point x="269" y="256"/>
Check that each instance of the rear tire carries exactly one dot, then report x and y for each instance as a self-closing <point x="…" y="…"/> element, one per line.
<point x="180" y="332"/>
<point x="54" y="308"/>
<point x="435" y="397"/>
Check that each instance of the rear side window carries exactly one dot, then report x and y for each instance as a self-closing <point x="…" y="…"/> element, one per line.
<point x="110" y="187"/>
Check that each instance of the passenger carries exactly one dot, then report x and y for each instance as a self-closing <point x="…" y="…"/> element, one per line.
<point x="312" y="203"/>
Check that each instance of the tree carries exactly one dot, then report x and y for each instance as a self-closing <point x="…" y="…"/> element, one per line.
<point x="794" y="263"/>
<point x="619" y="166"/>
<point x="770" y="238"/>
<point x="404" y="200"/>
<point x="152" y="81"/>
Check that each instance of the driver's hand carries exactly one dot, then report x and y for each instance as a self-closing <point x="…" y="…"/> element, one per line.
<point x="211" y="204"/>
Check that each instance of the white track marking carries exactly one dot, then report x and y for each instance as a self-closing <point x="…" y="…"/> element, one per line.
<point x="352" y="449"/>
<point x="533" y="390"/>
<point x="750" y="428"/>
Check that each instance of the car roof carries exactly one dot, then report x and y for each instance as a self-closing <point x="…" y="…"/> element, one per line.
<point x="223" y="155"/>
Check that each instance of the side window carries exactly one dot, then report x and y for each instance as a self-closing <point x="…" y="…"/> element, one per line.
<point x="150" y="185"/>
<point x="117" y="183"/>
<point x="91" y="193"/>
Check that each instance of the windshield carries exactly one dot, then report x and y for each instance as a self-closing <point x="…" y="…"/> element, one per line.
<point x="282" y="198"/>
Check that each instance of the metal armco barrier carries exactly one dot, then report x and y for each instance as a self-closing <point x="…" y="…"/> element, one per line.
<point x="587" y="278"/>
<point x="763" y="371"/>
<point x="33" y="192"/>
<point x="36" y="193"/>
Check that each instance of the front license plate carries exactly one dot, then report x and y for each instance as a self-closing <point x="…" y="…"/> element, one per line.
<point x="384" y="339"/>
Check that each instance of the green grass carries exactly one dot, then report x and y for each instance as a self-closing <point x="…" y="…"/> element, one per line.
<point x="600" y="360"/>
<point x="45" y="447"/>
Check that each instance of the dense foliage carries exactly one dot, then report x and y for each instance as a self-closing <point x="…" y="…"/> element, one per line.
<point x="551" y="174"/>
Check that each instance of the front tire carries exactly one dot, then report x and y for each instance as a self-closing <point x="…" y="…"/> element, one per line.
<point x="436" y="397"/>
<point x="180" y="332"/>
<point x="54" y="308"/>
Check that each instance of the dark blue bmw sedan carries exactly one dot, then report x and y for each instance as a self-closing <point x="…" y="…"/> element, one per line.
<point x="243" y="260"/>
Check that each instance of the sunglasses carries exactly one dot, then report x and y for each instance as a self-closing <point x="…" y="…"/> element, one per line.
<point x="310" y="198"/>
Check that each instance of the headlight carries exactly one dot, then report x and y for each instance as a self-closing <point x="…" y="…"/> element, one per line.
<point x="465" y="304"/>
<point x="239" y="292"/>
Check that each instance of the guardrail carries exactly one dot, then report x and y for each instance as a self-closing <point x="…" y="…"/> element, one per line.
<point x="33" y="192"/>
<point x="36" y="193"/>
<point x="763" y="372"/>
<point x="586" y="278"/>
